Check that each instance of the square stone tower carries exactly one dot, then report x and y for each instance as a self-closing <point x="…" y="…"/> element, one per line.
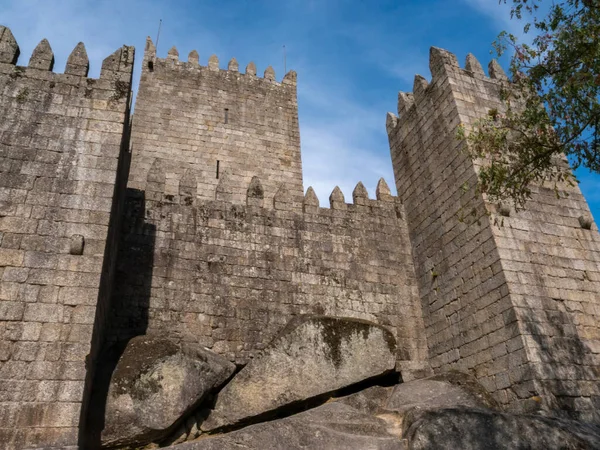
<point x="513" y="297"/>
<point x="215" y="124"/>
<point x="63" y="147"/>
<point x="226" y="247"/>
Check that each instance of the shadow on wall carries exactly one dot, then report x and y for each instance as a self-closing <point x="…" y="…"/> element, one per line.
<point x="130" y="299"/>
<point x="565" y="363"/>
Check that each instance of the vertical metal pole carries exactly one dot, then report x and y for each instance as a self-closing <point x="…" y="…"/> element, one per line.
<point x="158" y="34"/>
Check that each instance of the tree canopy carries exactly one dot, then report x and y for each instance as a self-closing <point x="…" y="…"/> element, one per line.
<point x="551" y="109"/>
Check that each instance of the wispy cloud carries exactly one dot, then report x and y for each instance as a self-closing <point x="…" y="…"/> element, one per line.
<point x="64" y="24"/>
<point x="499" y="14"/>
<point x="343" y="140"/>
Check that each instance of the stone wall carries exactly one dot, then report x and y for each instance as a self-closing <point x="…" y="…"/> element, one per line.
<point x="60" y="146"/>
<point x="226" y="257"/>
<point x="214" y="122"/>
<point x="550" y="255"/>
<point x="231" y="276"/>
<point x="513" y="299"/>
<point x="209" y="237"/>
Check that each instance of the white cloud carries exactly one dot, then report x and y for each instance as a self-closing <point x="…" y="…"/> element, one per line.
<point x="498" y="13"/>
<point x="330" y="160"/>
<point x="102" y="25"/>
<point x="338" y="135"/>
<point x="406" y="71"/>
<point x="64" y="24"/>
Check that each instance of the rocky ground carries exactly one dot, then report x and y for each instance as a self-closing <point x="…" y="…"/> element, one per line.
<point x="323" y="383"/>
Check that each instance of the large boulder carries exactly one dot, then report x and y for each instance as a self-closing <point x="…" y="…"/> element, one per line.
<point x="312" y="356"/>
<point x="441" y="391"/>
<point x="453" y="411"/>
<point x="372" y="400"/>
<point x="449" y="411"/>
<point x="473" y="429"/>
<point x="155" y="384"/>
<point x="451" y="389"/>
<point x="332" y="426"/>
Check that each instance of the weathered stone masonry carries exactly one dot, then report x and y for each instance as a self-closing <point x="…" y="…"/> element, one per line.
<point x="60" y="151"/>
<point x="203" y="233"/>
<point x="231" y="276"/>
<point x="212" y="122"/>
<point x="513" y="298"/>
<point x="231" y="257"/>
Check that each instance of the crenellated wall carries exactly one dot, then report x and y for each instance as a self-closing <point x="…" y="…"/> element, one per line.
<point x="61" y="140"/>
<point x="230" y="276"/>
<point x="216" y="121"/>
<point x="511" y="296"/>
<point x="194" y="225"/>
<point x="227" y="248"/>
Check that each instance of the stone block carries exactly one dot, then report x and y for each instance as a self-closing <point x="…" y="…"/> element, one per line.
<point x="15" y="274"/>
<point x="43" y="312"/>
<point x="11" y="257"/>
<point x="31" y="331"/>
<point x="78" y="296"/>
<point x="10" y="310"/>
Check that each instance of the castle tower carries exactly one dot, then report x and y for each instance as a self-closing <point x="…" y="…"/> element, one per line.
<point x="212" y="122"/>
<point x="226" y="261"/>
<point x="513" y="297"/>
<point x="62" y="169"/>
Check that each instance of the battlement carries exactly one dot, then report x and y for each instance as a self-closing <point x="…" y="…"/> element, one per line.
<point x="117" y="67"/>
<point x="151" y="61"/>
<point x="238" y="271"/>
<point x="216" y="123"/>
<point x="63" y="169"/>
<point x="360" y="201"/>
<point x="444" y="67"/>
<point x="171" y="183"/>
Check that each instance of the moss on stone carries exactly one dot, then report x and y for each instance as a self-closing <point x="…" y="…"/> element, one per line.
<point x="121" y="90"/>
<point x="335" y="330"/>
<point x="135" y="364"/>
<point x="23" y="95"/>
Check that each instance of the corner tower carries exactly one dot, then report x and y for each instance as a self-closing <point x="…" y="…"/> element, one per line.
<point x="213" y="122"/>
<point x="63" y="153"/>
<point x="511" y="296"/>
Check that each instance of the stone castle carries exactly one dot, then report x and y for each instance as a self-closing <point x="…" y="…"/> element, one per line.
<point x="189" y="219"/>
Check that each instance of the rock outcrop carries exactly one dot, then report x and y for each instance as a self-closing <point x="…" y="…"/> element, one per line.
<point x="336" y="425"/>
<point x="442" y="391"/>
<point x="155" y="384"/>
<point x="448" y="390"/>
<point x="332" y="426"/>
<point x="312" y="356"/>
<point x="449" y="411"/>
<point x="291" y="397"/>
<point x="474" y="429"/>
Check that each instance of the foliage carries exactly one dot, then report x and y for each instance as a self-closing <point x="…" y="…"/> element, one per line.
<point x="550" y="111"/>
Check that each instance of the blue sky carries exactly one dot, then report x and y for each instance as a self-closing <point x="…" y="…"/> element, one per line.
<point x="352" y="58"/>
